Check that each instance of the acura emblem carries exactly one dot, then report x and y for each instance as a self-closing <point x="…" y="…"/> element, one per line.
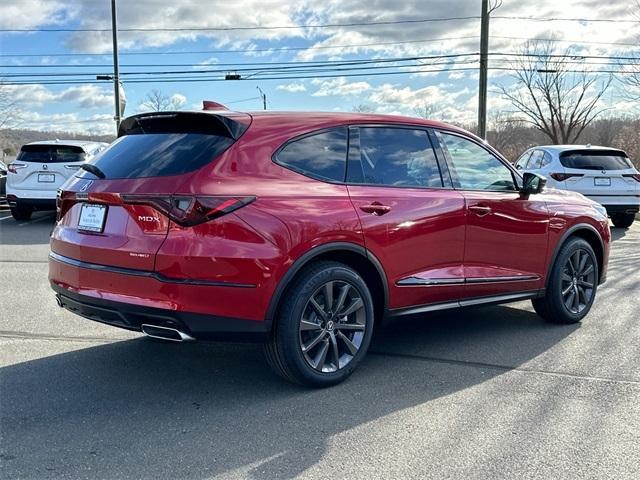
<point x="45" y="167"/>
<point x="86" y="185"/>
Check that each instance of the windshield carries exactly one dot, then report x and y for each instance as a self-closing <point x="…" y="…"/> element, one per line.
<point x="596" y="160"/>
<point x="51" y="154"/>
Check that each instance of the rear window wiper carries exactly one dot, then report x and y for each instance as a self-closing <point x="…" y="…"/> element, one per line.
<point x="93" y="169"/>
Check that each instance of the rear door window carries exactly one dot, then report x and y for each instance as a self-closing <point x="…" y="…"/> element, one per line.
<point x="398" y="157"/>
<point x="321" y="155"/>
<point x="535" y="161"/>
<point x="51" y="154"/>
<point x="595" y="160"/>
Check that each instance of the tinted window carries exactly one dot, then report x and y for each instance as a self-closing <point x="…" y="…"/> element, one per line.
<point x="159" y="154"/>
<point x="322" y="155"/>
<point x="535" y="161"/>
<point x="595" y="160"/>
<point x="474" y="168"/>
<point x="50" y="154"/>
<point x="546" y="159"/>
<point x="395" y="157"/>
<point x="521" y="163"/>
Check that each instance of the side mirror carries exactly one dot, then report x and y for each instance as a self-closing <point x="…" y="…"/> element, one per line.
<point x="532" y="183"/>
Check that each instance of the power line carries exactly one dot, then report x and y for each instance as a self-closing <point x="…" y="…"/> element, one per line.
<point x="245" y="50"/>
<point x="559" y="19"/>
<point x="253" y="66"/>
<point x="325" y="25"/>
<point x="231" y="29"/>
<point x="299" y="77"/>
<point x="311" y="47"/>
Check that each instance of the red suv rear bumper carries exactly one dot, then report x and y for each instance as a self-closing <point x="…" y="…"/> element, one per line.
<point x="129" y="298"/>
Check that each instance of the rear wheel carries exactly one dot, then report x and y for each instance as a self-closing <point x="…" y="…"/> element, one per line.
<point x="21" y="213"/>
<point x="572" y="284"/>
<point x="623" y="220"/>
<point x="324" y="326"/>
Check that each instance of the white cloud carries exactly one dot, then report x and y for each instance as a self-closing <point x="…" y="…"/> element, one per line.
<point x="178" y="100"/>
<point x="84" y="96"/>
<point x="33" y="13"/>
<point x="292" y="87"/>
<point x="339" y="86"/>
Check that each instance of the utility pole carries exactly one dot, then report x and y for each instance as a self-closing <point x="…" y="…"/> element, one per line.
<point x="484" y="51"/>
<point x="264" y="98"/>
<point x="116" y="72"/>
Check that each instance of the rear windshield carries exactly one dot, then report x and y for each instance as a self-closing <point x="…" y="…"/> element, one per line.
<point x="595" y="160"/>
<point x="50" y="154"/>
<point x="159" y="154"/>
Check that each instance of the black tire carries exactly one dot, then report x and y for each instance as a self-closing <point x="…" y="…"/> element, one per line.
<point x="560" y="305"/>
<point x="284" y="350"/>
<point x="21" y="213"/>
<point x="623" y="220"/>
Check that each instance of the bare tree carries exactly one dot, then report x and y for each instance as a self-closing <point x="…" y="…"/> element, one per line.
<point x="363" y="108"/>
<point x="631" y="78"/>
<point x="9" y="112"/>
<point x="551" y="95"/>
<point x="158" y="101"/>
<point x="425" y="110"/>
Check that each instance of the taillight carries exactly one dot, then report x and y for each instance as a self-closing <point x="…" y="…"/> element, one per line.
<point x="635" y="176"/>
<point x="188" y="211"/>
<point x="560" y="177"/>
<point x="14" y="167"/>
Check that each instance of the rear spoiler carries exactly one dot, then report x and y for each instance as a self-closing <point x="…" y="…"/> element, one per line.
<point x="185" y="122"/>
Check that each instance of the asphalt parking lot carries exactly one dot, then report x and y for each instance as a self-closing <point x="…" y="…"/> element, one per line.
<point x="489" y="392"/>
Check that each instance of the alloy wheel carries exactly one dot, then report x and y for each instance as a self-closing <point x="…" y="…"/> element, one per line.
<point x="332" y="326"/>
<point x="577" y="281"/>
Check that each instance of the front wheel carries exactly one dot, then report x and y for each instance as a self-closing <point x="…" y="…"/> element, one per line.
<point x="572" y="284"/>
<point x="623" y="220"/>
<point x="324" y="326"/>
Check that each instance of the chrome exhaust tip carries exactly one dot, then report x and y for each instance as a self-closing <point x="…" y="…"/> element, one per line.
<point x="165" y="333"/>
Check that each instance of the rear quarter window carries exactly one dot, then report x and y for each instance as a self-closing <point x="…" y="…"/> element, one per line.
<point x="320" y="155"/>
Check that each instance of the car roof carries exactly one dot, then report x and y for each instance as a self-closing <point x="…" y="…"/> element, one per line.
<point x="311" y="117"/>
<point x="72" y="143"/>
<point x="565" y="148"/>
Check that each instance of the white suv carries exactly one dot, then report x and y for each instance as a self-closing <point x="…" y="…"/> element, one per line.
<point x="40" y="169"/>
<point x="605" y="175"/>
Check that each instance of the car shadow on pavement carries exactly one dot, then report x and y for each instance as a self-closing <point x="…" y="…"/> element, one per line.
<point x="146" y="409"/>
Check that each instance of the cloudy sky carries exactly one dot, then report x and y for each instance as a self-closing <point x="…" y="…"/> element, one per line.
<point x="155" y="37"/>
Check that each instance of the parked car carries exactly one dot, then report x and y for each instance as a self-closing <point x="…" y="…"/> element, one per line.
<point x="605" y="175"/>
<point x="3" y="180"/>
<point x="40" y="169"/>
<point x="303" y="230"/>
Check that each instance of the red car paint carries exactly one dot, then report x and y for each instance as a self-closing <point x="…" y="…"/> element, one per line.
<point x="471" y="243"/>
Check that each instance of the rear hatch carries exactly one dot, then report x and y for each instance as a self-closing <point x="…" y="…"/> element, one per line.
<point x="44" y="166"/>
<point x="600" y="172"/>
<point x="118" y="209"/>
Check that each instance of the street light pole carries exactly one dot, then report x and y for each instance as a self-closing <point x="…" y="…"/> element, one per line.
<point x="116" y="72"/>
<point x="484" y="53"/>
<point x="264" y="98"/>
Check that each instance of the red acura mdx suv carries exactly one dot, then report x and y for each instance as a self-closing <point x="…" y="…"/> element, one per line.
<point x="303" y="230"/>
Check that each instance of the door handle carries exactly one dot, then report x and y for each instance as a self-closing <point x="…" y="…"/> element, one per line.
<point x="480" y="210"/>
<point x="376" y="208"/>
